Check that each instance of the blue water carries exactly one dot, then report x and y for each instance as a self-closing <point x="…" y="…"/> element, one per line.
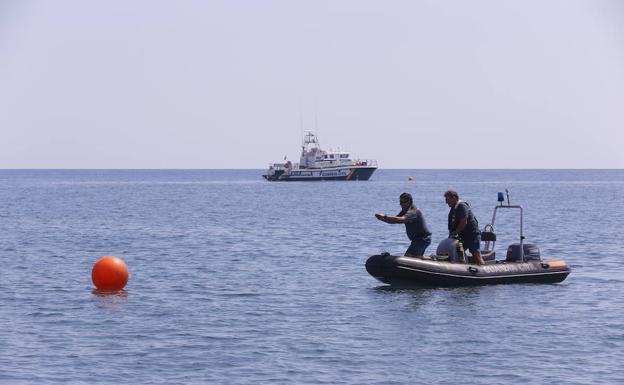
<point x="234" y="280"/>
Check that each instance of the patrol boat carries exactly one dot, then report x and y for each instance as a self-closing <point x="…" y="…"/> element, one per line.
<point x="451" y="267"/>
<point x="318" y="164"/>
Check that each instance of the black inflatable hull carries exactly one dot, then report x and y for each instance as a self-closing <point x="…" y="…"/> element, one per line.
<point x="397" y="270"/>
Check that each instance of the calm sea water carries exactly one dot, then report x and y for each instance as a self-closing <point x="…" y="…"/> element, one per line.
<point x="234" y="280"/>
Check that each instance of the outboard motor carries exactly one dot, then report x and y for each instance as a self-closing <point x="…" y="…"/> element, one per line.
<point x="451" y="248"/>
<point x="531" y="252"/>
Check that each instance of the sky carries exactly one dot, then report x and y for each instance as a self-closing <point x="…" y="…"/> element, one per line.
<point x="232" y="84"/>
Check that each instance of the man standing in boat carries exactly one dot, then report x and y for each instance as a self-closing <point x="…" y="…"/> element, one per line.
<point x="463" y="225"/>
<point x="415" y="225"/>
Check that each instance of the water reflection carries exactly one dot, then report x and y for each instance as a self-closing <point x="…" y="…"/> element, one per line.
<point x="422" y="296"/>
<point x="416" y="288"/>
<point x="110" y="300"/>
<point x="110" y="293"/>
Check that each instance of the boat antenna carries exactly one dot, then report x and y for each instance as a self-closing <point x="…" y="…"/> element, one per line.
<point x="315" y="118"/>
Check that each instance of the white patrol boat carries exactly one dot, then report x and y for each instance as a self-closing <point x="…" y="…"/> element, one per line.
<point x="318" y="164"/>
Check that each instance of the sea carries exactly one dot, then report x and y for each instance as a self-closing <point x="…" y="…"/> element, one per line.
<point x="236" y="280"/>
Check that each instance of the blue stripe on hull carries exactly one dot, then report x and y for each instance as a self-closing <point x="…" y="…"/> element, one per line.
<point x="363" y="173"/>
<point x="359" y="173"/>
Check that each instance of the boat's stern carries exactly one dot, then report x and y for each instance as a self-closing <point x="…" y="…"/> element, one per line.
<point x="558" y="269"/>
<point x="274" y="171"/>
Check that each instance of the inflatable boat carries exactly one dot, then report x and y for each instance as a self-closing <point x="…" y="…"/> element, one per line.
<point x="450" y="266"/>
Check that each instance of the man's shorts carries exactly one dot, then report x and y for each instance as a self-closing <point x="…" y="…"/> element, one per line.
<point x="418" y="247"/>
<point x="472" y="244"/>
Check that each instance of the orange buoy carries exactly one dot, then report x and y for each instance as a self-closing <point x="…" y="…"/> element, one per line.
<point x="109" y="273"/>
<point x="410" y="178"/>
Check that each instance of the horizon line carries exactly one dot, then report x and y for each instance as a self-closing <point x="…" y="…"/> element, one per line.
<point x="261" y="169"/>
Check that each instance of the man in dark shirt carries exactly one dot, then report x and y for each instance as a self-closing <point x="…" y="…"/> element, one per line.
<point x="463" y="224"/>
<point x="415" y="225"/>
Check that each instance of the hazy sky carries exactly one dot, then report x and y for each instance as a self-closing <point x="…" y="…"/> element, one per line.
<point x="227" y="84"/>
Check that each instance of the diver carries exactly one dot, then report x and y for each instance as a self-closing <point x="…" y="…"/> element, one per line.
<point x="463" y="225"/>
<point x="415" y="225"/>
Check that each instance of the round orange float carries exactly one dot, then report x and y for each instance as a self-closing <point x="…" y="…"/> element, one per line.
<point x="109" y="273"/>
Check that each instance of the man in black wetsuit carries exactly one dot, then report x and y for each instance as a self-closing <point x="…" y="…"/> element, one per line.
<point x="415" y="225"/>
<point x="463" y="224"/>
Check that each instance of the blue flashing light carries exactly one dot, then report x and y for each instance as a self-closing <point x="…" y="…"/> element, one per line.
<point x="501" y="197"/>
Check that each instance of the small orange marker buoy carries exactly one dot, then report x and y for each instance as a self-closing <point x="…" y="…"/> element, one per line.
<point x="410" y="178"/>
<point x="109" y="273"/>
